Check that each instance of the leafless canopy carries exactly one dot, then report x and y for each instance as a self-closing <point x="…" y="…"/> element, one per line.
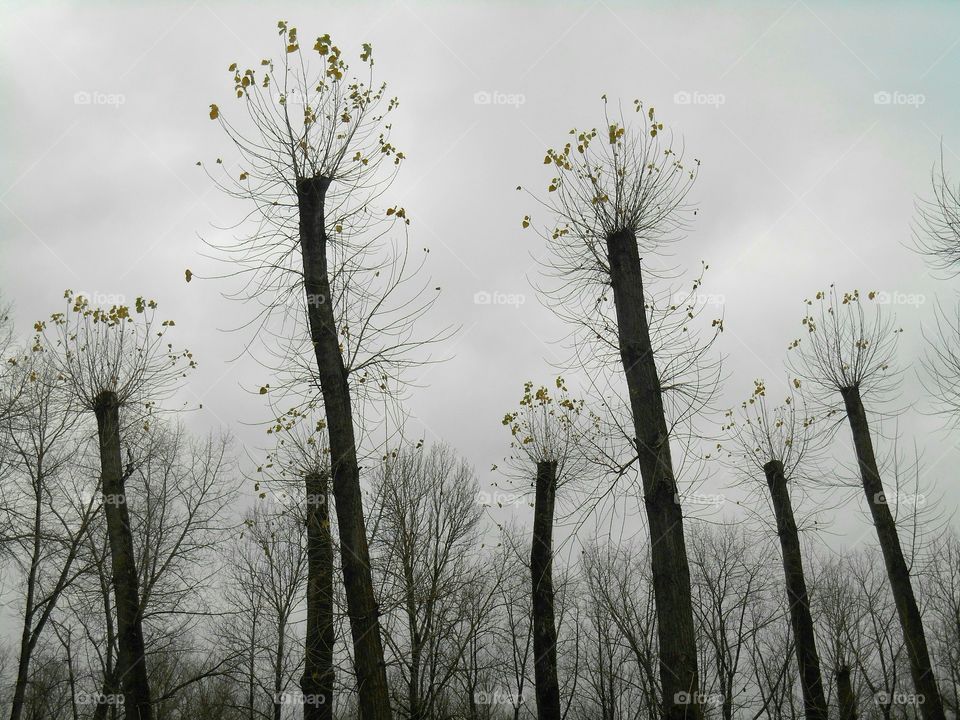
<point x="936" y="231"/>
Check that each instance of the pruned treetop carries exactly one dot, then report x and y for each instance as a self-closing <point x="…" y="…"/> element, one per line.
<point x="850" y="343"/>
<point x="116" y="354"/>
<point x="550" y="426"/>
<point x="760" y="432"/>
<point x="622" y="178"/>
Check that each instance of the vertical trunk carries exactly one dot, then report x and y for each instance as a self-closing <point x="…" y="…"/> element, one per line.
<point x="414" y="710"/>
<point x="362" y="608"/>
<point x="808" y="662"/>
<point x="317" y="682"/>
<point x="131" y="660"/>
<point x="668" y="552"/>
<point x="848" y="702"/>
<point x="924" y="682"/>
<point x="26" y="642"/>
<point x="542" y="614"/>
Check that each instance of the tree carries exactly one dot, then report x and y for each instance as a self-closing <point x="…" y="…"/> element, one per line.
<point x="847" y="352"/>
<point x="617" y="193"/>
<point x="113" y="359"/>
<point x="731" y="589"/>
<point x="545" y="432"/>
<point x="267" y="579"/>
<point x="301" y="464"/>
<point x="426" y="539"/>
<point x="314" y="178"/>
<point x="48" y="516"/>
<point x="774" y="442"/>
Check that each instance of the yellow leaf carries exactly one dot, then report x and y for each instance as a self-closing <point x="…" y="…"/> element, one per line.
<point x="188" y="274"/>
<point x="214" y="112"/>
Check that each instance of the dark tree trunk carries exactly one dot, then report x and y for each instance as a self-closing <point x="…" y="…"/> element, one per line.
<point x="808" y="662"/>
<point x="848" y="702"/>
<point x="924" y="682"/>
<point x="318" y="677"/>
<point x="541" y="571"/>
<point x="668" y="552"/>
<point x="131" y="669"/>
<point x="362" y="608"/>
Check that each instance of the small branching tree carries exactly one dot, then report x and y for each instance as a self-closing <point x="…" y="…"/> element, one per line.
<point x="848" y="350"/>
<point x="111" y="360"/>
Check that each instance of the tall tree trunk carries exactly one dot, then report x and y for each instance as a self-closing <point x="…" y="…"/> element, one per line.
<point x="131" y="667"/>
<point x="27" y="642"/>
<point x="924" y="682"/>
<point x="668" y="552"/>
<point x="362" y="608"/>
<point x="542" y="614"/>
<point x="848" y="701"/>
<point x="318" y="674"/>
<point x="808" y="661"/>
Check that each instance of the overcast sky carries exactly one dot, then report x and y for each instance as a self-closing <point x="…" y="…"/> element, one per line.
<point x="817" y="127"/>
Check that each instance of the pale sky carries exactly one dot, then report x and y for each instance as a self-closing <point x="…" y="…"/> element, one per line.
<point x="817" y="128"/>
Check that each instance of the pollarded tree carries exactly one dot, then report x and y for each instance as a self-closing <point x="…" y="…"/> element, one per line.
<point x="547" y="435"/>
<point x="316" y="158"/>
<point x="618" y="196"/>
<point x="302" y="458"/>
<point x="775" y="442"/>
<point x="848" y="351"/>
<point x="111" y="360"/>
